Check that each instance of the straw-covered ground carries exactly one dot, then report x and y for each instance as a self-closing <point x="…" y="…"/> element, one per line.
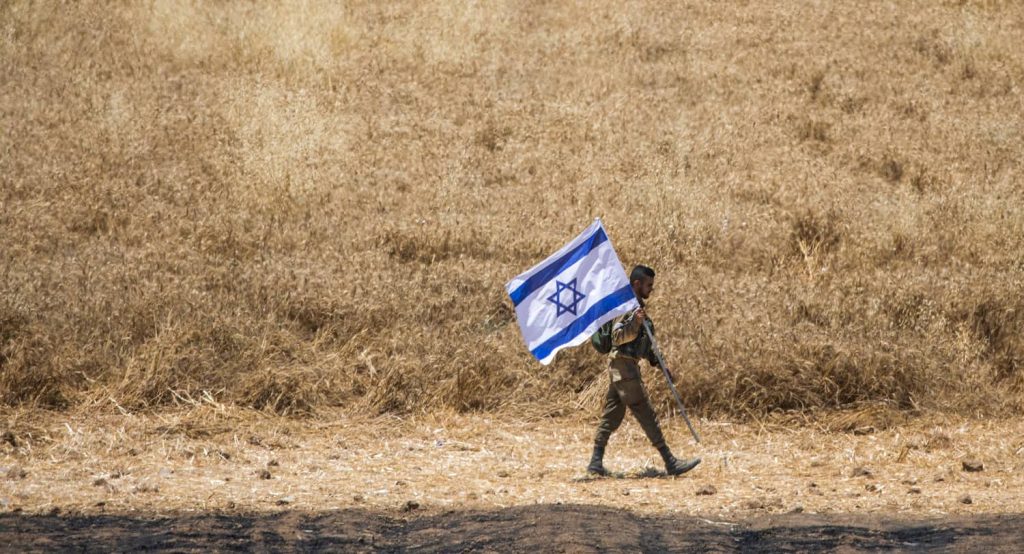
<point x="223" y="460"/>
<point x="219" y="478"/>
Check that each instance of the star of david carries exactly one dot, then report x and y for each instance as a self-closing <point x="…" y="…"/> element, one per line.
<point x="556" y="298"/>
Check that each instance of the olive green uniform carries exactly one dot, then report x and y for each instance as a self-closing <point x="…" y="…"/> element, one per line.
<point x="630" y="344"/>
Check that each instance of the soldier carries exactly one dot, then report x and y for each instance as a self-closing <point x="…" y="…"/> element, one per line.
<point x="630" y="344"/>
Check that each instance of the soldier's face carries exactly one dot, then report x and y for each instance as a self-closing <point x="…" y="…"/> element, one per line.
<point x="643" y="287"/>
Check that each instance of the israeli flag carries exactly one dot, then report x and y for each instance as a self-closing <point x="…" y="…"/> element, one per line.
<point x="561" y="301"/>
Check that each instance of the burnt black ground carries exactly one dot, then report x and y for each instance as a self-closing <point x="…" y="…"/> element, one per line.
<point x="541" y="528"/>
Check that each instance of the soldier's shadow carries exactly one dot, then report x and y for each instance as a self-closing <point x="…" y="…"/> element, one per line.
<point x="645" y="473"/>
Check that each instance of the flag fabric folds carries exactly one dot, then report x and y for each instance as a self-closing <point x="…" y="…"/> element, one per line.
<point x="561" y="301"/>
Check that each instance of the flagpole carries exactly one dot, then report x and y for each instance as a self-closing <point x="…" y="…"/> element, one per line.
<point x="664" y="370"/>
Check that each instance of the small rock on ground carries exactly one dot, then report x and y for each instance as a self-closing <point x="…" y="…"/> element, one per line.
<point x="707" y="490"/>
<point x="973" y="465"/>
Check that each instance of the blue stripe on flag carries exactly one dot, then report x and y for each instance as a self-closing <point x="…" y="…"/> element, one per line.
<point x="541" y="278"/>
<point x="605" y="305"/>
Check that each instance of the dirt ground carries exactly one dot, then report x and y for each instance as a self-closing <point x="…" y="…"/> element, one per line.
<point x="216" y="479"/>
<point x="541" y="528"/>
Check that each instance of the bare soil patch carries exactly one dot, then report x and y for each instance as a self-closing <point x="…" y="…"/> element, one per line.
<point x="541" y="528"/>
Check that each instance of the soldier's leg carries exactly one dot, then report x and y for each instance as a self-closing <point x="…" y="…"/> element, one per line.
<point x="611" y="417"/>
<point x="635" y="397"/>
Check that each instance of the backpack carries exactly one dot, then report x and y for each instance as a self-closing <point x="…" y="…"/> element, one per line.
<point x="601" y="340"/>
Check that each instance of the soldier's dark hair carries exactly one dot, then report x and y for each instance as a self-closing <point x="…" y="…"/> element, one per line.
<point x="639" y="272"/>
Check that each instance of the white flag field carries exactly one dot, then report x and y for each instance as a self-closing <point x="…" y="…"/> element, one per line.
<point x="563" y="300"/>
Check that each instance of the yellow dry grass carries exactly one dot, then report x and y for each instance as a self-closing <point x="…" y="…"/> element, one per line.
<point x="299" y="206"/>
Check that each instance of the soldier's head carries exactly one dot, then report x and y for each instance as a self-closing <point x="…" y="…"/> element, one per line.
<point x="642" y="281"/>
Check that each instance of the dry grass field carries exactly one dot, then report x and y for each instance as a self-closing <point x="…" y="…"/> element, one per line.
<point x="305" y="212"/>
<point x="298" y="205"/>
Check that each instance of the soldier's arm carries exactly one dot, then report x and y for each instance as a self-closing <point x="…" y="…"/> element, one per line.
<point x="652" y="358"/>
<point x="625" y="330"/>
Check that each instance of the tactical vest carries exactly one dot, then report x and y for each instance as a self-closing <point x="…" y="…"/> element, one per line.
<point x="639" y="348"/>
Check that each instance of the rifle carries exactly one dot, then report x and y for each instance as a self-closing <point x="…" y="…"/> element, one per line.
<point x="664" y="370"/>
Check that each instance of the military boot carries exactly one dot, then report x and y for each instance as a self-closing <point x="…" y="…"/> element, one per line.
<point x="596" y="465"/>
<point x="674" y="466"/>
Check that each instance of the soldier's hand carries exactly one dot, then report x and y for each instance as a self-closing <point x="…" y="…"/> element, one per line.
<point x="640" y="315"/>
<point x="668" y="372"/>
